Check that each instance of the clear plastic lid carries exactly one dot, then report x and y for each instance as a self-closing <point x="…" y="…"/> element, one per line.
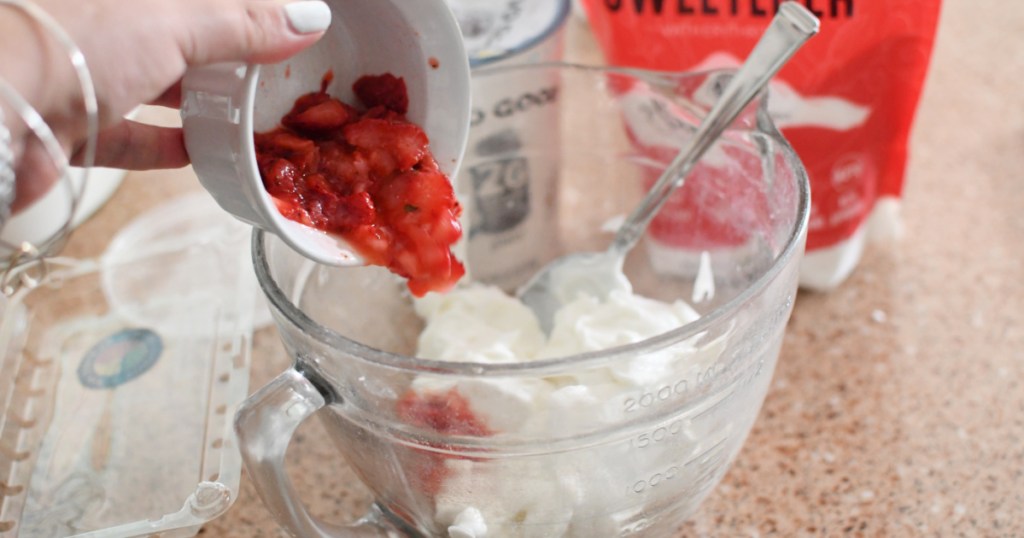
<point x="117" y="397"/>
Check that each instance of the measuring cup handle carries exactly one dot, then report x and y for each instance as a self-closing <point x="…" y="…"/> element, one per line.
<point x="265" y="425"/>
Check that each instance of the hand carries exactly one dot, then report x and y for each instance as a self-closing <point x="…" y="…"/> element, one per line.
<point x="137" y="52"/>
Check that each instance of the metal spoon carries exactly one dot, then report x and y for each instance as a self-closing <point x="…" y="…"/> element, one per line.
<point x="597" y="273"/>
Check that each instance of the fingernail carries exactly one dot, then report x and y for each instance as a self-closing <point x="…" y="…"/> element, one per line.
<point x="308" y="16"/>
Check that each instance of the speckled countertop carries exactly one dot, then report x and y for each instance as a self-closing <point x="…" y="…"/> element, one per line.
<point x="897" y="407"/>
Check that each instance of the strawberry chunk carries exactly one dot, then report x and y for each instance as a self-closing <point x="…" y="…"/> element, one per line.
<point x="320" y="118"/>
<point x="302" y="152"/>
<point x="385" y="90"/>
<point x="422" y="208"/>
<point x="369" y="177"/>
<point x="281" y="178"/>
<point x="404" y="142"/>
<point x="354" y="210"/>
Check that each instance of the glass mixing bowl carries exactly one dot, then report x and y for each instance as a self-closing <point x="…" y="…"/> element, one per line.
<point x="624" y="441"/>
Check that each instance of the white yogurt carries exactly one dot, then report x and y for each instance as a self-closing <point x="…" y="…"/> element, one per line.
<point x="482" y="324"/>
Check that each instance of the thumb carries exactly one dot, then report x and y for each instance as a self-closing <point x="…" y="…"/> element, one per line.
<point x="257" y="31"/>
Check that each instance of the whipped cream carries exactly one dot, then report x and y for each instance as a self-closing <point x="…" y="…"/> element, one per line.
<point x="482" y="324"/>
<point x="468" y="524"/>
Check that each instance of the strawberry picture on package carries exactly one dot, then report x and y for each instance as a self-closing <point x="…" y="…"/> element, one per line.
<point x="366" y="174"/>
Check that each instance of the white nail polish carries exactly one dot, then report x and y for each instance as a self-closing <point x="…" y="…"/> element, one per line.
<point x="308" y="16"/>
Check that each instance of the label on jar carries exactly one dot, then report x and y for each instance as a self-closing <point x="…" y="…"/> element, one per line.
<point x="511" y="165"/>
<point x="509" y="30"/>
<point x="508" y="176"/>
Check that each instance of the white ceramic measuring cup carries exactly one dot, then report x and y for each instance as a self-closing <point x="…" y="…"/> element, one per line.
<point x="224" y="104"/>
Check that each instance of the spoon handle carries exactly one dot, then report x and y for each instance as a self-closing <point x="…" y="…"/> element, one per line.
<point x="791" y="27"/>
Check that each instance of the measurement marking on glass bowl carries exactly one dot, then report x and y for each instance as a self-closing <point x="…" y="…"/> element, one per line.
<point x="669" y="391"/>
<point x="657" y="435"/>
<point x="660" y="477"/>
<point x="654" y="480"/>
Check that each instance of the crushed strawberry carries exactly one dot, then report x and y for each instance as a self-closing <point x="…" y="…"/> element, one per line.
<point x="386" y="91"/>
<point x="322" y="117"/>
<point x="447" y="413"/>
<point x="367" y="176"/>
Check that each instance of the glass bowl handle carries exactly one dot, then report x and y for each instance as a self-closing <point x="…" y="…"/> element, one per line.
<point x="265" y="425"/>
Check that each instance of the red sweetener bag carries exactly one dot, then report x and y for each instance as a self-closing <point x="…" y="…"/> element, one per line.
<point x="845" y="102"/>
